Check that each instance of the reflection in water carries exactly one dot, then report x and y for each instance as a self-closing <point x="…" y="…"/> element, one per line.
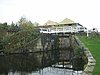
<point x="18" y="63"/>
<point x="29" y="64"/>
<point x="49" y="71"/>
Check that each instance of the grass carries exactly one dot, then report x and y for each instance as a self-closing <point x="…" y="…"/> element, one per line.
<point x="93" y="44"/>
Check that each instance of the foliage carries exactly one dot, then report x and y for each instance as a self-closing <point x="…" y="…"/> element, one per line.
<point x="18" y="40"/>
<point x="3" y="29"/>
<point x="13" y="28"/>
<point x="78" y="59"/>
<point x="93" y="43"/>
<point x="24" y="24"/>
<point x="78" y="52"/>
<point x="13" y="37"/>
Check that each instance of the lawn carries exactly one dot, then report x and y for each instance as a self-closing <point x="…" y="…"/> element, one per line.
<point x="93" y="44"/>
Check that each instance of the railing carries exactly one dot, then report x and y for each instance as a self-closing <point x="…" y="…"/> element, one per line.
<point x="67" y="29"/>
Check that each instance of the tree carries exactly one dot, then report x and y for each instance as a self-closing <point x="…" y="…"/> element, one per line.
<point x="24" y="24"/>
<point x="3" y="30"/>
<point x="13" y="28"/>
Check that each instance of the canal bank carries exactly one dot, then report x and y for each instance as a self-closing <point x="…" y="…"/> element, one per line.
<point x="56" y="51"/>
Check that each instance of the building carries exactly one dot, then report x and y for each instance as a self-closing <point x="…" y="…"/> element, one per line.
<point x="66" y="25"/>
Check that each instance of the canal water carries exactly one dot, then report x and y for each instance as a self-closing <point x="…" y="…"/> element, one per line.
<point x="28" y="64"/>
<point x="49" y="71"/>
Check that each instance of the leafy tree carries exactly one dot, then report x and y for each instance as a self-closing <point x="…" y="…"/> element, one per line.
<point x="3" y="30"/>
<point x="24" y="24"/>
<point x="25" y="33"/>
<point x="13" y="28"/>
<point x="19" y="40"/>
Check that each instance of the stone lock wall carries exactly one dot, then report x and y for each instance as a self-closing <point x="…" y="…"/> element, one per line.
<point x="91" y="61"/>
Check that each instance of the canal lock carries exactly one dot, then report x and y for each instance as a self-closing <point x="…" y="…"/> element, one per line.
<point x="62" y="51"/>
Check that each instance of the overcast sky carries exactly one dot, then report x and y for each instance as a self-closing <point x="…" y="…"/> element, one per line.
<point x="85" y="12"/>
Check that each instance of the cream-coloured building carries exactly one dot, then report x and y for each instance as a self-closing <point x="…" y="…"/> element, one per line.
<point x="66" y="25"/>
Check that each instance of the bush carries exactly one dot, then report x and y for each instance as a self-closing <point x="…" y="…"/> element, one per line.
<point x="18" y="40"/>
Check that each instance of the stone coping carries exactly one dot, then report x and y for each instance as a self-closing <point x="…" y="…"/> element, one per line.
<point x="91" y="61"/>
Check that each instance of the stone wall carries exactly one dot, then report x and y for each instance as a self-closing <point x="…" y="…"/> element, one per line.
<point x="91" y="61"/>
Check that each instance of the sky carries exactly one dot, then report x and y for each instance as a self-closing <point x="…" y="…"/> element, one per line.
<point x="85" y="12"/>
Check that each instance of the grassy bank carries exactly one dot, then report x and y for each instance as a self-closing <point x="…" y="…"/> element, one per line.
<point x="93" y="44"/>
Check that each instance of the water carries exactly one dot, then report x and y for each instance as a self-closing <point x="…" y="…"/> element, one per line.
<point x="49" y="71"/>
<point x="29" y="64"/>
